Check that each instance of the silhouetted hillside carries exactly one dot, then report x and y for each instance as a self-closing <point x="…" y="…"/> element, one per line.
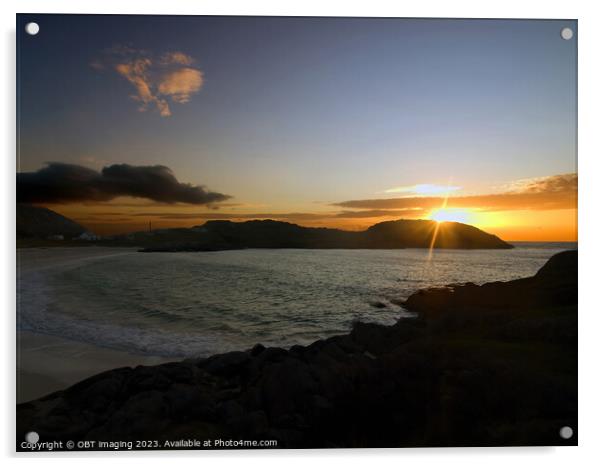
<point x="39" y="222"/>
<point x="419" y="234"/>
<point x="223" y="234"/>
<point x="214" y="235"/>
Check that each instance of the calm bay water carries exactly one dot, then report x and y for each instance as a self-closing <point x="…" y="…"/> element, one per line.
<point x="191" y="304"/>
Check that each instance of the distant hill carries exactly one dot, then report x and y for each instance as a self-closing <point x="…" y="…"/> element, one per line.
<point x="419" y="234"/>
<point x="39" y="222"/>
<point x="223" y="234"/>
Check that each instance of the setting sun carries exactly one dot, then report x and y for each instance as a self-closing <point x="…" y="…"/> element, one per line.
<point x="451" y="215"/>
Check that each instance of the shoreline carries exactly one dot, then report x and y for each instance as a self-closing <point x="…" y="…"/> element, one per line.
<point x="460" y="374"/>
<point x="47" y="363"/>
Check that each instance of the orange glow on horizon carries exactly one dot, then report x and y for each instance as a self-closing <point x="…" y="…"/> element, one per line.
<point x="518" y="225"/>
<point x="451" y="215"/>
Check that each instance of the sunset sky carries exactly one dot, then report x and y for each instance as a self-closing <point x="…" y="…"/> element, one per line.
<point x="337" y="122"/>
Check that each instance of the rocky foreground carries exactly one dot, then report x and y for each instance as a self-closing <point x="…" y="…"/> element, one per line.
<point x="489" y="365"/>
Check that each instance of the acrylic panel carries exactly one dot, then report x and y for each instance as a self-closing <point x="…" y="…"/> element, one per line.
<point x="295" y="232"/>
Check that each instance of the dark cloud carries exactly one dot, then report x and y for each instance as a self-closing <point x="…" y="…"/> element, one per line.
<point x="61" y="183"/>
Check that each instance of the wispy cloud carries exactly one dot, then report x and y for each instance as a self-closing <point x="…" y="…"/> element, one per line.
<point x="546" y="193"/>
<point x="157" y="81"/>
<point x="181" y="84"/>
<point x="556" y="183"/>
<point x="424" y="189"/>
<point x="177" y="58"/>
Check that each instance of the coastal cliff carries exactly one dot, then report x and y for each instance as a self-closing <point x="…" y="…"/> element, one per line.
<point x="488" y="365"/>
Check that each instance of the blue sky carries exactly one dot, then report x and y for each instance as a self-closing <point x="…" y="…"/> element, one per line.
<point x="300" y="112"/>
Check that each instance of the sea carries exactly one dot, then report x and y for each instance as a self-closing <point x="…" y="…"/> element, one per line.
<point x="194" y="304"/>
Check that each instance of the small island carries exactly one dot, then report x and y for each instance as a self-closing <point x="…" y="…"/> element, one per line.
<point x="224" y="234"/>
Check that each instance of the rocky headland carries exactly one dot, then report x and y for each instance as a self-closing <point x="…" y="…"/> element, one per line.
<point x="39" y="222"/>
<point x="397" y="234"/>
<point x="41" y="227"/>
<point x="488" y="365"/>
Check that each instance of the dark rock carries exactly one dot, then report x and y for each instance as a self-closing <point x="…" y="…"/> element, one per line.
<point x="228" y="393"/>
<point x="178" y="372"/>
<point x="316" y="346"/>
<point x="374" y="338"/>
<point x="189" y="402"/>
<point x="227" y="364"/>
<point x="378" y="304"/>
<point x="560" y="267"/>
<point x="120" y="374"/>
<point x="255" y="424"/>
<point x="271" y="355"/>
<point x="144" y="413"/>
<point x="147" y="378"/>
<point x="554" y="284"/>
<point x="286" y="388"/>
<point x="346" y="343"/>
<point x="297" y="350"/>
<point x="230" y="411"/>
<point x="257" y="349"/>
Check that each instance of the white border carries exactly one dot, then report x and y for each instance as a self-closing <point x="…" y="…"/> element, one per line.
<point x="590" y="77"/>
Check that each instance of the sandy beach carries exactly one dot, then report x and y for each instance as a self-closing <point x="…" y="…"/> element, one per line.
<point x="47" y="363"/>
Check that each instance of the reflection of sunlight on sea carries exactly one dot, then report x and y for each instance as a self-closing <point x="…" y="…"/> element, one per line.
<point x="189" y="304"/>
